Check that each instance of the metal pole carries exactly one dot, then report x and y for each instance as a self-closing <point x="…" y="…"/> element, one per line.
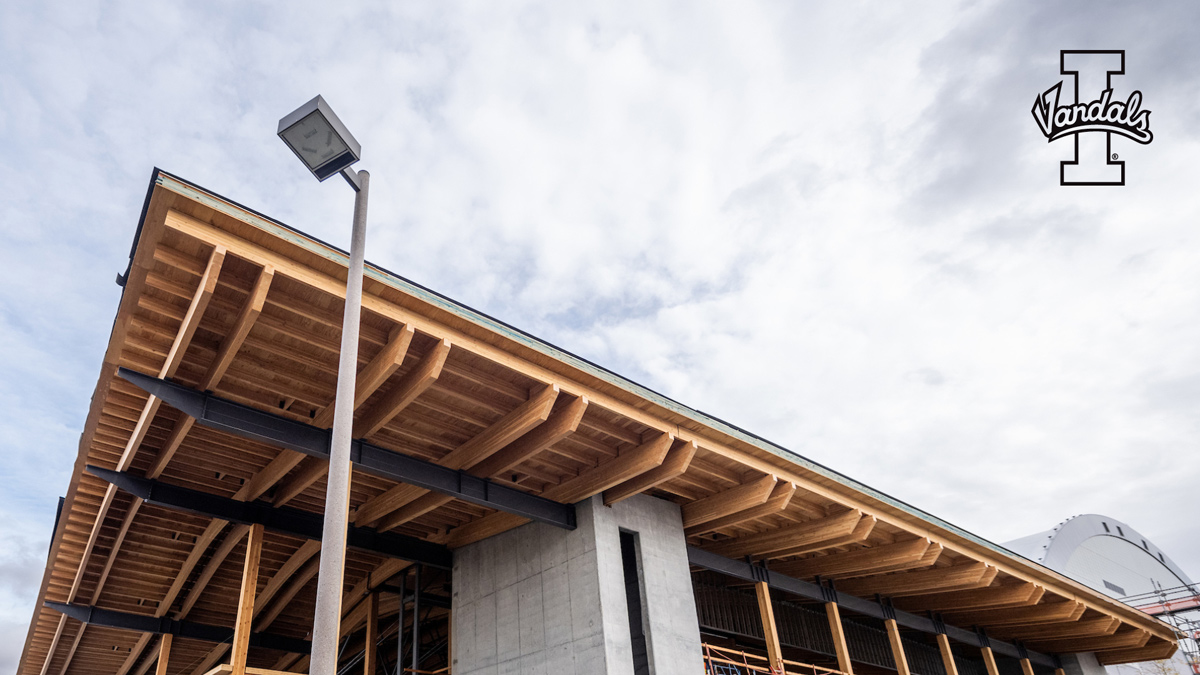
<point x="416" y="627"/>
<point x="400" y="626"/>
<point x="337" y="494"/>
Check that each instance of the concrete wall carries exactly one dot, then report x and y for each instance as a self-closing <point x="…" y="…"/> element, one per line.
<point x="539" y="599"/>
<point x="1082" y="664"/>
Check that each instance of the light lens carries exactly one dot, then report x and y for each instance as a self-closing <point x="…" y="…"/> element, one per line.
<point x="314" y="140"/>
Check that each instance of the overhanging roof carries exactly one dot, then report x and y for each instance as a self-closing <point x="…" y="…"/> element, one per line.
<point x="220" y="298"/>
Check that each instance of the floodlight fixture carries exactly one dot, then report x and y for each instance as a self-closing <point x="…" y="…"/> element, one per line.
<point x="326" y="147"/>
<point x="319" y="139"/>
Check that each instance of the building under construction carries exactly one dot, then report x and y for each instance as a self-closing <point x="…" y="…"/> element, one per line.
<point x="515" y="509"/>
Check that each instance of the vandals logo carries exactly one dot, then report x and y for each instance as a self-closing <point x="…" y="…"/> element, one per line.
<point x="1092" y="123"/>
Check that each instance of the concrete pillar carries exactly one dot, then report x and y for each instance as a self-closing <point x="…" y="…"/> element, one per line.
<point x="539" y="599"/>
<point x="1082" y="664"/>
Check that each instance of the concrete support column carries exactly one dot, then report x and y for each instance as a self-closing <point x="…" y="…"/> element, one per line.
<point x="539" y="599"/>
<point x="1082" y="664"/>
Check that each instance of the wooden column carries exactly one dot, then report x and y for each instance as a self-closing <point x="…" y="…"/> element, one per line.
<point x="839" y="638"/>
<point x="1026" y="667"/>
<point x="947" y="655"/>
<point x="989" y="660"/>
<point x="164" y="653"/>
<point x="245" y="612"/>
<point x="901" y="660"/>
<point x="1059" y="671"/>
<point x="770" y="633"/>
<point x="370" y="658"/>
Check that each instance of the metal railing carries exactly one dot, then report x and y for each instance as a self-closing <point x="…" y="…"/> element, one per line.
<point x="725" y="661"/>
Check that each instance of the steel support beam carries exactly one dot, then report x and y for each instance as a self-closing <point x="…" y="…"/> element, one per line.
<point x="753" y="573"/>
<point x="182" y="629"/>
<point x="286" y="520"/>
<point x="240" y="420"/>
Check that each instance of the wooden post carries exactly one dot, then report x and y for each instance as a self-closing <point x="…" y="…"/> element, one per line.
<point x="989" y="660"/>
<point x="1026" y="667"/>
<point x="901" y="660"/>
<point x="245" y="612"/>
<point x="372" y="635"/>
<point x="164" y="653"/>
<point x="770" y="633"/>
<point x="947" y="655"/>
<point x="839" y="638"/>
<point x="1059" y="671"/>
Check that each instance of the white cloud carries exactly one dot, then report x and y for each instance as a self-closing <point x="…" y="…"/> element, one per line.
<point x="833" y="224"/>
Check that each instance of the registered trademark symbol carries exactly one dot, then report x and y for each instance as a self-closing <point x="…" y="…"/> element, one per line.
<point x="1114" y="155"/>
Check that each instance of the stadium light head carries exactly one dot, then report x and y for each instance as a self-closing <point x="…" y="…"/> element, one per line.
<point x="319" y="138"/>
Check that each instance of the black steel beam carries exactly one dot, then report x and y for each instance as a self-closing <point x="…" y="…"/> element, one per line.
<point x="754" y="573"/>
<point x="183" y="629"/>
<point x="218" y="413"/>
<point x="286" y="520"/>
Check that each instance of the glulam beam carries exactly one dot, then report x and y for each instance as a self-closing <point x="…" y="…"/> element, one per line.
<point x="777" y="581"/>
<point x="764" y="544"/>
<point x="885" y="556"/>
<point x="678" y="459"/>
<point x="779" y="499"/>
<point x="940" y="579"/>
<point x="626" y="466"/>
<point x="728" y="502"/>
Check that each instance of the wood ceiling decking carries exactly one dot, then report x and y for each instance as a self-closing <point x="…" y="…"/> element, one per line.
<point x="219" y="298"/>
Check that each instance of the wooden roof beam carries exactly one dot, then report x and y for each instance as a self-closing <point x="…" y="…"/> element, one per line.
<point x="717" y="439"/>
<point x="679" y="458"/>
<point x="623" y="467"/>
<point x="1154" y="650"/>
<point x="184" y="629"/>
<point x="287" y="520"/>
<point x="216" y="370"/>
<point x="862" y="560"/>
<point x="557" y="426"/>
<point x="1077" y="629"/>
<point x="1020" y="616"/>
<point x="780" y="497"/>
<point x="859" y="535"/>
<point x="728" y="502"/>
<point x="369" y="378"/>
<point x="253" y="423"/>
<point x="267" y="612"/>
<point x="183" y="337"/>
<point x="231" y="540"/>
<point x="1130" y="639"/>
<point x="412" y="385"/>
<point x="746" y="571"/>
<point x="507" y="429"/>
<point x="1012" y="595"/>
<point x="811" y="532"/>
<point x="957" y="577"/>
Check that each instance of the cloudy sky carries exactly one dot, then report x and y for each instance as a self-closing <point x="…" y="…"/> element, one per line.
<point x="834" y="224"/>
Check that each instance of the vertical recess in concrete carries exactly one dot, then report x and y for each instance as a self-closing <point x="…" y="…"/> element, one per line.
<point x="539" y="599"/>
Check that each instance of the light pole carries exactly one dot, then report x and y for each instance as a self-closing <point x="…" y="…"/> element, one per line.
<point x="326" y="147"/>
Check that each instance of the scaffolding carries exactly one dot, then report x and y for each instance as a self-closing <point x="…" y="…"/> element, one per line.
<point x="1180" y="607"/>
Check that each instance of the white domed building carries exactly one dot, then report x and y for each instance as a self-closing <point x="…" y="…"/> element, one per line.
<point x="1111" y="557"/>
